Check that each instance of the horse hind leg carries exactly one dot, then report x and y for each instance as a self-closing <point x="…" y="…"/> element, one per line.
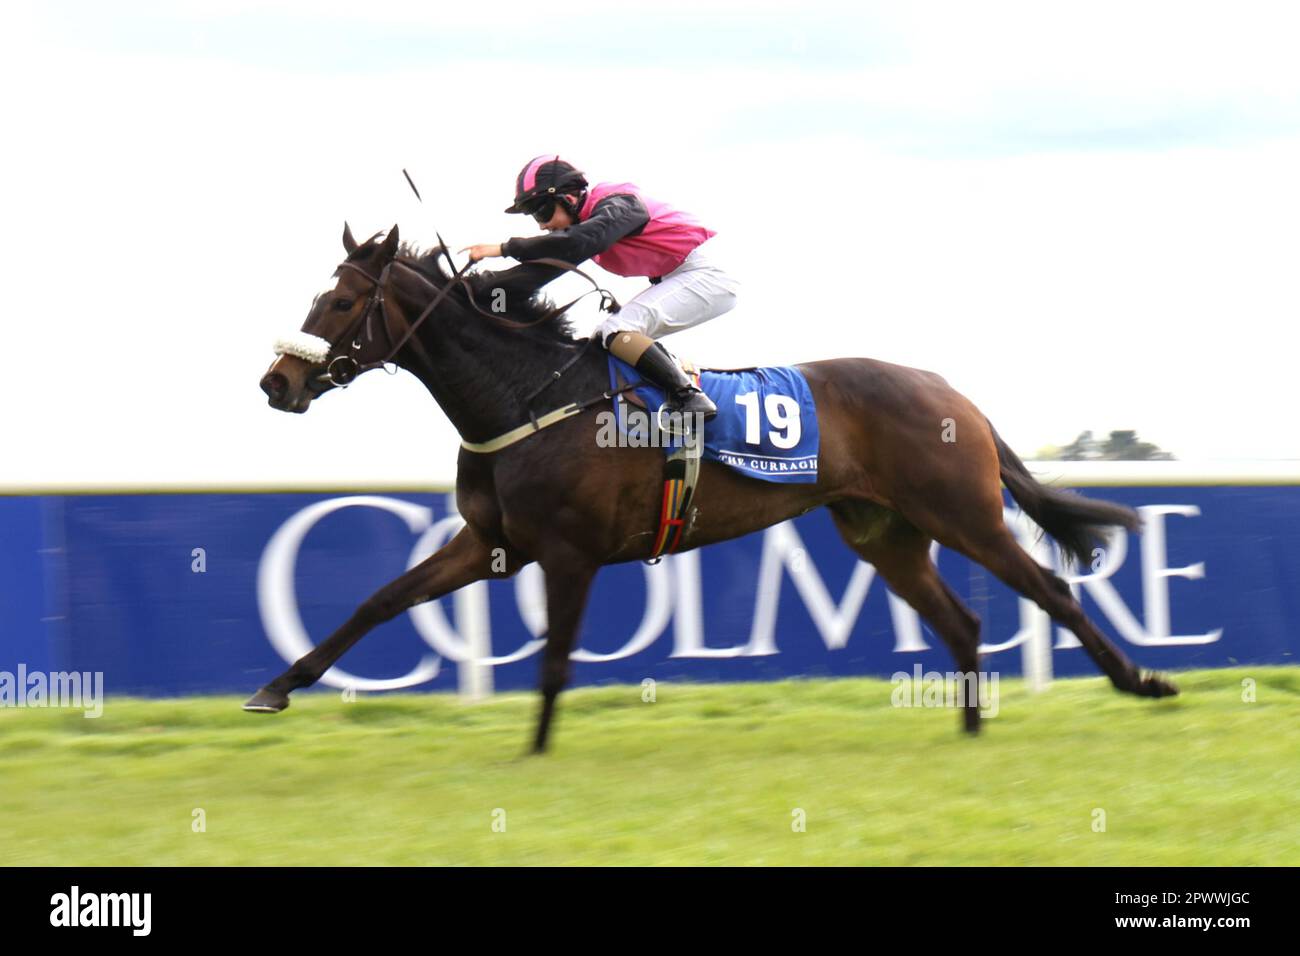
<point x="900" y="553"/>
<point x="1006" y="559"/>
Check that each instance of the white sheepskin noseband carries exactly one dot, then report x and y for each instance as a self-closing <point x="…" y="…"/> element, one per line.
<point x="304" y="345"/>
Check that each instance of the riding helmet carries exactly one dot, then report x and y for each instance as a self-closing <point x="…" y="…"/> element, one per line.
<point x="546" y="175"/>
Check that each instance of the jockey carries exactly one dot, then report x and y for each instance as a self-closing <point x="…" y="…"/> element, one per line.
<point x="630" y="234"/>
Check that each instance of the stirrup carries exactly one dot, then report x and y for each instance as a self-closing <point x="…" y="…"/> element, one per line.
<point x="680" y="423"/>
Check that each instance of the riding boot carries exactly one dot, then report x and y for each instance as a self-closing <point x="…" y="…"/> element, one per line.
<point x="683" y="397"/>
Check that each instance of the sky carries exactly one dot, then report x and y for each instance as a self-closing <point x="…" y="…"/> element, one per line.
<point x="1083" y="215"/>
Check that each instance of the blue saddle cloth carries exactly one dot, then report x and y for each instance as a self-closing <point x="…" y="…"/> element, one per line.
<point x="766" y="426"/>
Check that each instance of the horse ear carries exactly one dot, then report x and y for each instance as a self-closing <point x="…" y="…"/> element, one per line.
<point x="349" y="243"/>
<point x="389" y="248"/>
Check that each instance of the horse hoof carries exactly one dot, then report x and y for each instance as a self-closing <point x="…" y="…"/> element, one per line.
<point x="266" y="702"/>
<point x="1153" y="685"/>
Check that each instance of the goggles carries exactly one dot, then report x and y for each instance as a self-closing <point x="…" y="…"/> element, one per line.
<point x="542" y="210"/>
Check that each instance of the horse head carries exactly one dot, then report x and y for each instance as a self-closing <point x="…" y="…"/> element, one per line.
<point x="336" y="342"/>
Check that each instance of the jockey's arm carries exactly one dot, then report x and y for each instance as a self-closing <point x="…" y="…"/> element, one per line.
<point x="614" y="218"/>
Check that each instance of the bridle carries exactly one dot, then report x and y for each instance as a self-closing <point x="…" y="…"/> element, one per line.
<point x="342" y="369"/>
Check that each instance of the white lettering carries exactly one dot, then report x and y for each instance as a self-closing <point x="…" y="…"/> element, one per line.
<point x="103" y="909"/>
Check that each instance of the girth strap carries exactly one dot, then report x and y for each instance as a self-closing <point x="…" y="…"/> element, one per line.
<point x="681" y="474"/>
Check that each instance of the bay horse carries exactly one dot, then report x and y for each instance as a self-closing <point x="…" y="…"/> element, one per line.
<point x="904" y="460"/>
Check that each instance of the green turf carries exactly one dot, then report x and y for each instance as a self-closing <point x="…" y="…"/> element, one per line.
<point x="706" y="774"/>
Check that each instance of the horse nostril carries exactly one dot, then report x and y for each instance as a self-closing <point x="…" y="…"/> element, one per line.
<point x="274" y="384"/>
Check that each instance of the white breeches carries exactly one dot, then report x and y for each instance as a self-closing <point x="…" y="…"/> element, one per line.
<point x="694" y="292"/>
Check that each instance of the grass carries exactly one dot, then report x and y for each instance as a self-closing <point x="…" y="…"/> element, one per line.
<point x="706" y="774"/>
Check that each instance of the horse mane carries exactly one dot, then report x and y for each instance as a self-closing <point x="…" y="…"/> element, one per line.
<point x="524" y="301"/>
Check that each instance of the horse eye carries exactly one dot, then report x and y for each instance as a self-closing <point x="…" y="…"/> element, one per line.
<point x="342" y="304"/>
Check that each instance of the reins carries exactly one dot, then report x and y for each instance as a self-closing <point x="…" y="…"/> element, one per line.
<point x="342" y="369"/>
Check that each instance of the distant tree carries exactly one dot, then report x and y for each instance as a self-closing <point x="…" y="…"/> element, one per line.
<point x="1118" y="446"/>
<point x="1082" y="448"/>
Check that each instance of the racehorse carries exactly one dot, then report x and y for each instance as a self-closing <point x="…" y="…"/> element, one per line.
<point x="904" y="460"/>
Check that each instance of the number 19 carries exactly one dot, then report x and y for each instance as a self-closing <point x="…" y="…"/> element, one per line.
<point x="782" y="414"/>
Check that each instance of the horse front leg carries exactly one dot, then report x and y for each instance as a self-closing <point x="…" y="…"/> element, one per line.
<point x="464" y="559"/>
<point x="568" y="583"/>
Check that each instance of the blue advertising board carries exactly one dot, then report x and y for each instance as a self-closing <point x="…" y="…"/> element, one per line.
<point x="171" y="594"/>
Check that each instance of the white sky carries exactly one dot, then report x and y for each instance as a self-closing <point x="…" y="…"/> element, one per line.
<point x="972" y="188"/>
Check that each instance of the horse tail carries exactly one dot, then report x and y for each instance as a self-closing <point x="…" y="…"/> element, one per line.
<point x="1077" y="523"/>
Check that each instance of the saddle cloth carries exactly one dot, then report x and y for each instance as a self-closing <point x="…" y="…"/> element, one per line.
<point x="766" y="426"/>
